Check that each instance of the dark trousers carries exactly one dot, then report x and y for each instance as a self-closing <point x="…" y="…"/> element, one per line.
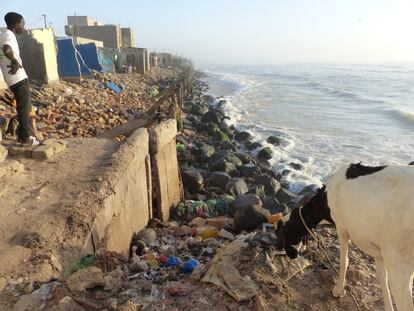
<point x="21" y="91"/>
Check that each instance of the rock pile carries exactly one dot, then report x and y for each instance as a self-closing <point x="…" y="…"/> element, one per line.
<point x="87" y="108"/>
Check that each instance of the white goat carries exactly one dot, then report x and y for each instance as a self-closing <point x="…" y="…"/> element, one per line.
<point x="374" y="208"/>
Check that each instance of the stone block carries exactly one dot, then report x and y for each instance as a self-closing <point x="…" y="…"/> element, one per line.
<point x="49" y="149"/>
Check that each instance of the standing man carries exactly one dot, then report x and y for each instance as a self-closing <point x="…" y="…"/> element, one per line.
<point x="16" y="78"/>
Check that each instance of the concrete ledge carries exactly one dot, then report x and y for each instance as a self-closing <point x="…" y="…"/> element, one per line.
<point x="162" y="134"/>
<point x="125" y="202"/>
<point x="46" y="151"/>
<point x="3" y="153"/>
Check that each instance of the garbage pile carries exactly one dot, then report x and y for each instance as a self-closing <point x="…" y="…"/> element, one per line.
<point x="91" y="106"/>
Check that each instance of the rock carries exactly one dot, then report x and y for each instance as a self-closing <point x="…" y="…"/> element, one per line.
<point x="228" y="145"/>
<point x="68" y="304"/>
<point x="84" y="279"/>
<point x="275" y="141"/>
<point x="258" y="190"/>
<point x="411" y="163"/>
<point x="236" y="186"/>
<point x="219" y="179"/>
<point x="199" y="109"/>
<point x="148" y="236"/>
<point x="242" y="202"/>
<point x="113" y="280"/>
<point x="220" y="136"/>
<point x="226" y="235"/>
<point x="250" y="218"/>
<point x="140" y="266"/>
<point x="285" y="196"/>
<point x="226" y="130"/>
<point x="128" y="306"/>
<point x="253" y="146"/>
<point x="220" y="222"/>
<point x="224" y="166"/>
<point x="242" y="136"/>
<point x="296" y="166"/>
<point x="192" y="180"/>
<point x="198" y="222"/>
<point x="204" y="152"/>
<point x="265" y="154"/>
<point x="249" y="170"/>
<point x="272" y="186"/>
<point x="234" y="159"/>
<point x="27" y="303"/>
<point x="211" y="116"/>
<point x="274" y="206"/>
<point x="212" y="128"/>
<point x="245" y="158"/>
<point x="3" y="153"/>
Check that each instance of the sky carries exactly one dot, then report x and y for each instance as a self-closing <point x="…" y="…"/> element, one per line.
<point x="249" y="32"/>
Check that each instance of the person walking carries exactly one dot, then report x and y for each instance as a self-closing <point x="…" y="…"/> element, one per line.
<point x="16" y="78"/>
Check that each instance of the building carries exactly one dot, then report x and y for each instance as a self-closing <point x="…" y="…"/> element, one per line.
<point x="165" y="59"/>
<point x="154" y="60"/>
<point x="112" y="36"/>
<point x="138" y="57"/>
<point x="127" y="37"/>
<point x="39" y="55"/>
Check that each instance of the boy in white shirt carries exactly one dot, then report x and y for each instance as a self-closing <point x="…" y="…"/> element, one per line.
<point x="15" y="76"/>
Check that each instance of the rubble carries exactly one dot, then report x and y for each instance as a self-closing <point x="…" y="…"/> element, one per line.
<point x="87" y="108"/>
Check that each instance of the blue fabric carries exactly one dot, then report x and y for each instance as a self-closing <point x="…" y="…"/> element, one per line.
<point x="113" y="87"/>
<point x="70" y="62"/>
<point x="90" y="56"/>
<point x="172" y="261"/>
<point x="190" y="265"/>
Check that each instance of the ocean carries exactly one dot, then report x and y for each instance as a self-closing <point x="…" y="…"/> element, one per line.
<point x="326" y="115"/>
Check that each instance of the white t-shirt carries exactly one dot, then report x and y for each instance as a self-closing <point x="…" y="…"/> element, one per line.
<point x="9" y="38"/>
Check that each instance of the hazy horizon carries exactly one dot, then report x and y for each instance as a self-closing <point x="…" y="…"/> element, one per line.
<point x="242" y="32"/>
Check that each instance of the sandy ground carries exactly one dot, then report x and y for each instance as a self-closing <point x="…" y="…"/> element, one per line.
<point x="34" y="203"/>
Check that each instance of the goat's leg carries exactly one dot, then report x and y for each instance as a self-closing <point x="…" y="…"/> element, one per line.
<point x="383" y="279"/>
<point x="401" y="281"/>
<point x="339" y="289"/>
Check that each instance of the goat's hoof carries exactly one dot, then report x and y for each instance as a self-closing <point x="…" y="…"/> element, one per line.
<point x="338" y="292"/>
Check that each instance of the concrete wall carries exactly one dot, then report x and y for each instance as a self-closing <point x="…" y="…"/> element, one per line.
<point x="127" y="37"/>
<point x="81" y="21"/>
<point x="127" y="205"/>
<point x="165" y="166"/>
<point x="140" y="58"/>
<point x="165" y="59"/>
<point x="39" y="55"/>
<point x="80" y="40"/>
<point x="110" y="35"/>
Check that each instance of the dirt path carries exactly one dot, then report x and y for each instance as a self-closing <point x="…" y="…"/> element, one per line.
<point x="33" y="204"/>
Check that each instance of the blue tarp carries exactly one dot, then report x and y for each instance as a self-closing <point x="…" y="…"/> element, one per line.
<point x="70" y="62"/>
<point x="95" y="58"/>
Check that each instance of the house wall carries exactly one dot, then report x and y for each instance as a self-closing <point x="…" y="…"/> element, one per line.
<point x="110" y="35"/>
<point x="39" y="55"/>
<point x="127" y="37"/>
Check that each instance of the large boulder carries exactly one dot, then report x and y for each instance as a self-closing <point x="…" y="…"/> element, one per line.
<point x="242" y="136"/>
<point x="226" y="130"/>
<point x="236" y="186"/>
<point x="245" y="158"/>
<point x="219" y="179"/>
<point x="272" y="186"/>
<point x="148" y="236"/>
<point x="220" y="136"/>
<point x="223" y="165"/>
<point x="249" y="170"/>
<point x="203" y="152"/>
<point x="212" y="128"/>
<point x="284" y="196"/>
<point x="275" y="141"/>
<point x="258" y="190"/>
<point x="193" y="181"/>
<point x="234" y="159"/>
<point x="199" y="109"/>
<point x="253" y="145"/>
<point x="411" y="163"/>
<point x="274" y="206"/>
<point x="211" y="116"/>
<point x="84" y="279"/>
<point x="250" y="218"/>
<point x="265" y="154"/>
<point x="296" y="166"/>
<point x="243" y="201"/>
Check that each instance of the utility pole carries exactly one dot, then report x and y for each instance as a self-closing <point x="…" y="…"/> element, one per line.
<point x="44" y="19"/>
